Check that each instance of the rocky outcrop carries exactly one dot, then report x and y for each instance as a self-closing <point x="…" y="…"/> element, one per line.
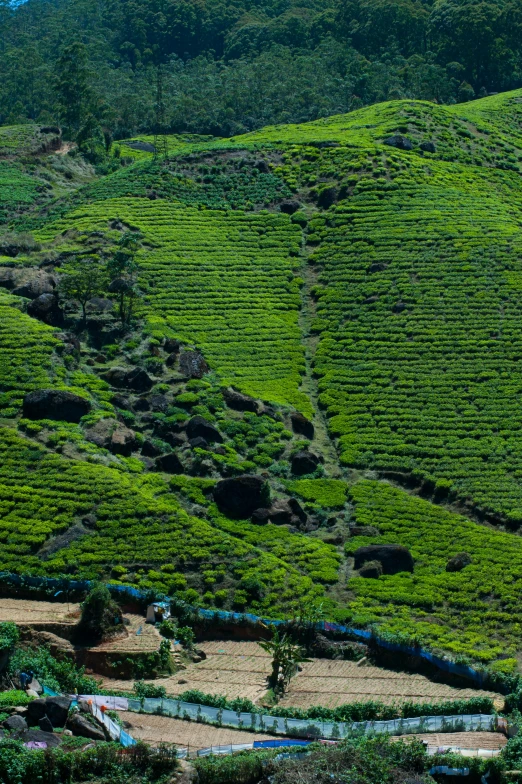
<point x="287" y="512"/>
<point x="55" y="404"/>
<point x="112" y="435"/>
<point x="459" y="562"/>
<point x="302" y="425"/>
<point x="83" y="728"/>
<point x="393" y="558"/>
<point x="137" y="379"/>
<point x="199" y="427"/>
<point x="304" y="463"/>
<point x="34" y="284"/>
<point x="170" y="463"/>
<point x="239" y="401"/>
<point x="46" y="308"/>
<point x="192" y="364"/>
<point x="239" y="496"/>
<point x="399" y="142"/>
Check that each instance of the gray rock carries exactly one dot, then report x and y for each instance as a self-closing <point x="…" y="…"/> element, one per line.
<point x="198" y="443"/>
<point x="55" y="404"/>
<point x="199" y="427"/>
<point x="260" y="516"/>
<point x="394" y="558"/>
<point x="192" y="364"/>
<point x="15" y="724"/>
<point x="149" y="449"/>
<point x="7" y="277"/>
<point x="100" y="305"/>
<point x="364" y="530"/>
<point x="39" y="736"/>
<point x="159" y="403"/>
<point x="239" y="496"/>
<point x="83" y="728"/>
<point x="171" y="464"/>
<point x="459" y="562"/>
<point x="302" y="425"/>
<point x="46" y="308"/>
<point x="287" y="512"/>
<point x="35" y="686"/>
<point x="35" y="711"/>
<point x="45" y="724"/>
<point x="138" y="380"/>
<point x="35" y="284"/>
<point x="399" y="142"/>
<point x="57" y="709"/>
<point x="239" y="401"/>
<point x="428" y="147"/>
<point x="113" y="435"/>
<point x="304" y="463"/>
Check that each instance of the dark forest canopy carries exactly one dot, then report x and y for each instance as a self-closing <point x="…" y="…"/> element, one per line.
<point x="235" y="65"/>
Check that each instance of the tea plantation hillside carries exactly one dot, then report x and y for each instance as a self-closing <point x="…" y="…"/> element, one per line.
<point x="332" y="308"/>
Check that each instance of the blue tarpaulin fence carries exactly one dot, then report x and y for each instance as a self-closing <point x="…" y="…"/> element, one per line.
<point x="63" y="584"/>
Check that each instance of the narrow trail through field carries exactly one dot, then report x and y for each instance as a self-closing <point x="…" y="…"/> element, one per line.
<point x="309" y="383"/>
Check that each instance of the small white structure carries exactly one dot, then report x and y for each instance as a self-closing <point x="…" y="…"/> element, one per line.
<point x="157" y="612"/>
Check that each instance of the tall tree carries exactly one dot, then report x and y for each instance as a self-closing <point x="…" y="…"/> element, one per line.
<point x="73" y="88"/>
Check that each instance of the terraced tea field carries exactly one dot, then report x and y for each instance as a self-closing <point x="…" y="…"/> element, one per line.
<point x="220" y="280"/>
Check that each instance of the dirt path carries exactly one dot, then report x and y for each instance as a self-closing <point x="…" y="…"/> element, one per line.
<point x="309" y="383"/>
<point x="162" y="729"/>
<point x="462" y="740"/>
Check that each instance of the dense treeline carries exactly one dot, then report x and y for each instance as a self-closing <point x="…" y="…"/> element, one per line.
<point x="235" y="65"/>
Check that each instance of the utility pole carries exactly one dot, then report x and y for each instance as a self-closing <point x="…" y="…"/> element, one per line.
<point x="161" y="145"/>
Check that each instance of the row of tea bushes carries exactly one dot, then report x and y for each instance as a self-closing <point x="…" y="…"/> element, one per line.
<point x="222" y="280"/>
<point x="474" y="612"/>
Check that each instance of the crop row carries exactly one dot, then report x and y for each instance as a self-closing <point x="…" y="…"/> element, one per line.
<point x="221" y="280"/>
<point x="142" y="535"/>
<point x="419" y="320"/>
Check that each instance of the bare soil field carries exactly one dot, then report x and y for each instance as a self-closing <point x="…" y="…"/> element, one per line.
<point x="25" y="611"/>
<point x="462" y="740"/>
<point x="161" y="729"/>
<point x="141" y="637"/>
<point x="240" y="669"/>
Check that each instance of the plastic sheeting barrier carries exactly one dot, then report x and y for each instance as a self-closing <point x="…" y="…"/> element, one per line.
<point x="310" y="728"/>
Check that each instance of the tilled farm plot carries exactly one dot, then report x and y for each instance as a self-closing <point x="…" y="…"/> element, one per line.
<point x="141" y="637"/>
<point x="25" y="611"/>
<point x="240" y="669"/>
<point x="462" y="740"/>
<point x="333" y="683"/>
<point x="161" y="729"/>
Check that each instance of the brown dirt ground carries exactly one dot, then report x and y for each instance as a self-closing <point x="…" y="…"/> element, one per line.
<point x="26" y="611"/>
<point x="162" y="729"/>
<point x="240" y="669"/>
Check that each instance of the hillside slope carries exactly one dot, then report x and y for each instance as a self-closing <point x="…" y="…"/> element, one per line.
<point x="361" y="270"/>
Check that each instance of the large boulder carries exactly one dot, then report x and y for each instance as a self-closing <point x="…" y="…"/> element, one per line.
<point x="199" y="427"/>
<point x="170" y="463"/>
<point x="239" y="496"/>
<point x="192" y="364"/>
<point x="111" y="434"/>
<point x="304" y="463"/>
<point x="47" y="309"/>
<point x="57" y="709"/>
<point x="289" y="206"/>
<point x="239" y="401"/>
<point x="83" y="728"/>
<point x="138" y="380"/>
<point x="50" y="739"/>
<point x="458" y="562"/>
<point x="35" y="712"/>
<point x="399" y="142"/>
<point x="302" y="425"/>
<point x="7" y="278"/>
<point x="35" y="284"/>
<point x="287" y="512"/>
<point x="393" y="558"/>
<point x="55" y="404"/>
<point x="45" y="724"/>
<point x="15" y="724"/>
